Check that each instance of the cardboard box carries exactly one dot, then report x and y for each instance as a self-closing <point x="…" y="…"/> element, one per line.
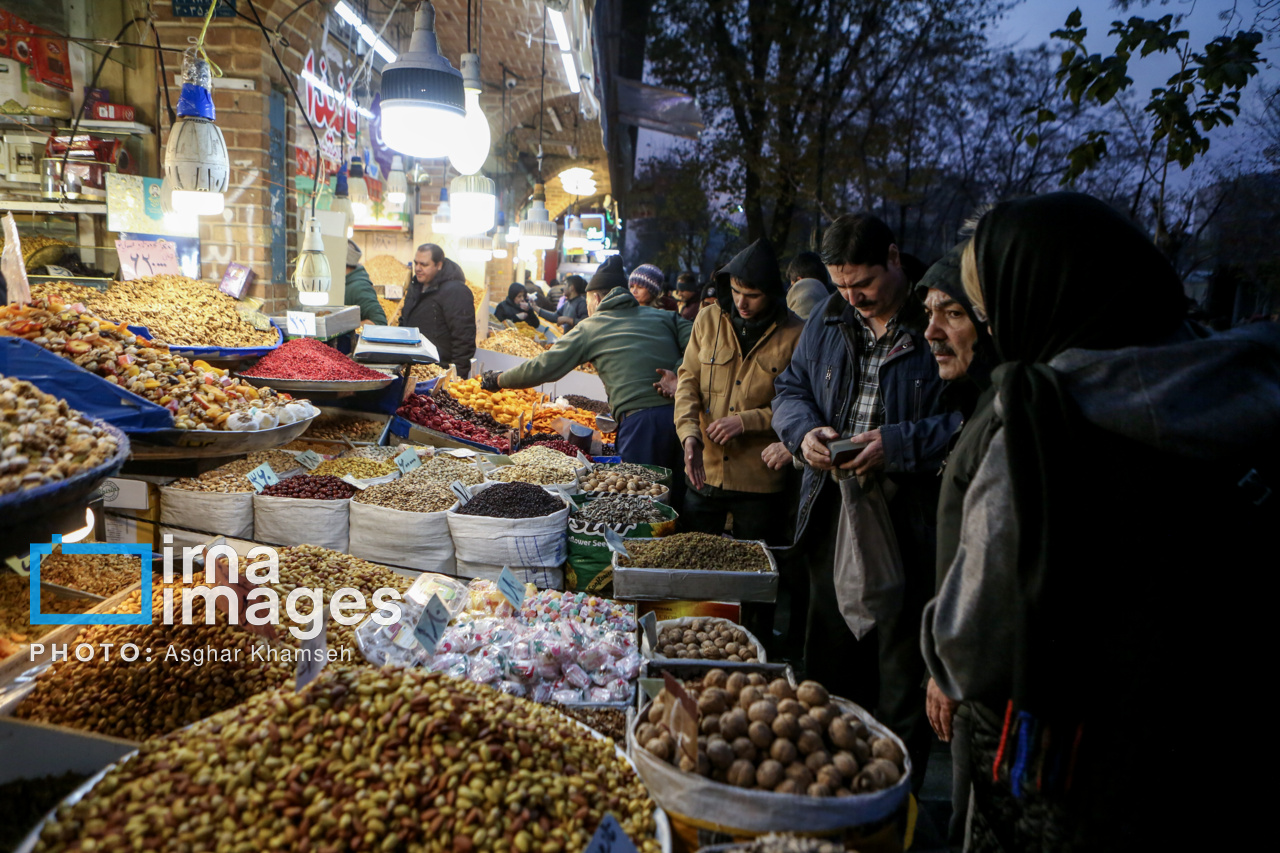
<point x="111" y="112"/>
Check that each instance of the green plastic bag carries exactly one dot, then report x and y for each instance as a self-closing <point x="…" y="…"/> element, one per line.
<point x="590" y="562"/>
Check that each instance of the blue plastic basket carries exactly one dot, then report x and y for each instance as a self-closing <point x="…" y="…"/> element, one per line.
<point x="214" y="352"/>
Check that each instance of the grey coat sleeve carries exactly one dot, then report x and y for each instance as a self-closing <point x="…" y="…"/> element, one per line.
<point x="967" y="635"/>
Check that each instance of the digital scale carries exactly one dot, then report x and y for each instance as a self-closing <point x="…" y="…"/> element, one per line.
<point x="394" y="345"/>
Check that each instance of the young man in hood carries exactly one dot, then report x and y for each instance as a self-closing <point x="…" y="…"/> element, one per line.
<point x="628" y="344"/>
<point x="438" y="303"/>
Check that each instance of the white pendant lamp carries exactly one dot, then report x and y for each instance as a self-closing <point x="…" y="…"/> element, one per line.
<point x="575" y="236"/>
<point x="442" y="220"/>
<point x="357" y="189"/>
<point x="473" y="198"/>
<point x="513" y="235"/>
<point x="476" y="247"/>
<point x="577" y="181"/>
<point x="342" y="203"/>
<point x="471" y="146"/>
<point x="397" y="189"/>
<point x="311" y="275"/>
<point x="196" y="167"/>
<point x="499" y="246"/>
<point x="537" y="231"/>
<point x="422" y="101"/>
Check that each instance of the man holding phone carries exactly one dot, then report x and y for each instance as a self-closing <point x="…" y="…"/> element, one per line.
<point x="861" y="399"/>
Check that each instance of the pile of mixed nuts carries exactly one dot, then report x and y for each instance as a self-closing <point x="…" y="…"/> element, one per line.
<point x="44" y="440"/>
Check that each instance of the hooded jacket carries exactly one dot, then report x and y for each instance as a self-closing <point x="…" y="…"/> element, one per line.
<point x="445" y="312"/>
<point x="508" y="309"/>
<point x="359" y="291"/>
<point x="625" y="341"/>
<point x="719" y="379"/>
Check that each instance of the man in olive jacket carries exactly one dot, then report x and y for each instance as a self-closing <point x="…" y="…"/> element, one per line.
<point x="439" y="304"/>
<point x="359" y="289"/>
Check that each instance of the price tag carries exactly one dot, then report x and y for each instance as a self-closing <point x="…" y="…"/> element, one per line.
<point x="300" y="323"/>
<point x="347" y="478"/>
<point x="614" y="541"/>
<point x="309" y="459"/>
<point x="584" y="461"/>
<point x="610" y="838"/>
<point x="314" y="654"/>
<point x="651" y="686"/>
<point x="461" y="491"/>
<point x="408" y="461"/>
<point x="560" y="492"/>
<point x="21" y="566"/>
<point x="393" y="291"/>
<point x="431" y="624"/>
<point x="649" y="624"/>
<point x="459" y="452"/>
<point x="262" y="476"/>
<point x="140" y="258"/>
<point x="511" y="588"/>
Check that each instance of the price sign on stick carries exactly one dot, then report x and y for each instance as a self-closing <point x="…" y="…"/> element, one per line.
<point x="309" y="460"/>
<point x="408" y="461"/>
<point x="461" y="491"/>
<point x="300" y="323"/>
<point x="431" y="624"/>
<point x="610" y="838"/>
<point x="140" y="258"/>
<point x="511" y="588"/>
<point x="314" y="653"/>
<point x="614" y="541"/>
<point x="21" y="566"/>
<point x="262" y="476"/>
<point x="347" y="478"/>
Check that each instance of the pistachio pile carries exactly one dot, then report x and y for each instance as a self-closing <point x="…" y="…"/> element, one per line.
<point x="611" y="482"/>
<point x="345" y="426"/>
<point x="15" y="612"/>
<point x="770" y="736"/>
<point x="396" y="759"/>
<point x="707" y="639"/>
<point x="443" y="470"/>
<point x="361" y="469"/>
<point x="231" y="478"/>
<point x="374" y="452"/>
<point x="208" y="316"/>
<point x="44" y="440"/>
<point x="409" y="495"/>
<point x="697" y="552"/>
<point x="621" y="509"/>
<point x="98" y="574"/>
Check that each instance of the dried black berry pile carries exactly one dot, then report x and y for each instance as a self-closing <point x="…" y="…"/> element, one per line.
<point x="512" y="500"/>
<point x="322" y="487"/>
<point x="587" y="404"/>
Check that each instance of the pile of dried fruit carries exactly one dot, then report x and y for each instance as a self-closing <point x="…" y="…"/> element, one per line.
<point x="200" y="396"/>
<point x="409" y="494"/>
<point x="317" y="488"/>
<point x="552" y="443"/>
<point x="511" y="342"/>
<point x="545" y="418"/>
<point x="771" y="736"/>
<point x="310" y="360"/>
<point x="351" y="427"/>
<point x="587" y="404"/>
<point x="510" y="407"/>
<point x="707" y="639"/>
<point x="442" y="470"/>
<point x="426" y="411"/>
<point x="512" y="500"/>
<point x="97" y="574"/>
<point x="44" y="440"/>
<point x="697" y="552"/>
<point x="178" y="310"/>
<point x="15" y="612"/>
<point x="397" y="759"/>
<point x="230" y="478"/>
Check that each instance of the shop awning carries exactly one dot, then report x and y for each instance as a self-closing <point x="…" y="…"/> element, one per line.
<point x="655" y="108"/>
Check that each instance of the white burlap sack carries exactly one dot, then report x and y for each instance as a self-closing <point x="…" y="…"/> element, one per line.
<point x="301" y="521"/>
<point x="533" y="548"/>
<point x="212" y="512"/>
<point x="415" y="540"/>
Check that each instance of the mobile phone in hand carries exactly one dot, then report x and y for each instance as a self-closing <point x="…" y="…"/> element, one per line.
<point x="844" y="449"/>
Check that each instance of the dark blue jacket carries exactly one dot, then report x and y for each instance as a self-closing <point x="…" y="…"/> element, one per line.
<point x="814" y="391"/>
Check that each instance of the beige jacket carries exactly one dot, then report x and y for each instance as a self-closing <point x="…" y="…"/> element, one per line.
<point x="716" y="381"/>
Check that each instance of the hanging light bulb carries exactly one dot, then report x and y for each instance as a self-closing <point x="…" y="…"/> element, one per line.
<point x="476" y="247"/>
<point x="357" y="189"/>
<point x="575" y="236"/>
<point x="471" y="146"/>
<point x="342" y="203"/>
<point x="442" y="221"/>
<point x="397" y="189"/>
<point x="473" y="198"/>
<point x="196" y="167"/>
<point x="513" y="235"/>
<point x="422" y="101"/>
<point x="538" y="231"/>
<point x="499" y="246"/>
<point x="577" y="181"/>
<point x="311" y="276"/>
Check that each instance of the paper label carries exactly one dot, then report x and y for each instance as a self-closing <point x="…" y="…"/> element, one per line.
<point x="347" y="478"/>
<point x="461" y="491"/>
<point x="140" y="258"/>
<point x="21" y="566"/>
<point x="649" y="624"/>
<point x="459" y="452"/>
<point x="584" y="461"/>
<point x="651" y="686"/>
<point x="309" y="459"/>
<point x="393" y="291"/>
<point x="610" y="838"/>
<point x="431" y="624"/>
<point x="300" y="323"/>
<point x="614" y="541"/>
<point x="262" y="476"/>
<point x="511" y="588"/>
<point x="313" y="657"/>
<point x="408" y="461"/>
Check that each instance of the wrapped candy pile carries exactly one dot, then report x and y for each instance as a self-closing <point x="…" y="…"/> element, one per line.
<point x="569" y="648"/>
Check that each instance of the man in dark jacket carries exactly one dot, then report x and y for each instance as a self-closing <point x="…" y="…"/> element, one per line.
<point x="863" y="368"/>
<point x="516" y="307"/>
<point x="359" y="289"/>
<point x="438" y="302"/>
<point x="574" y="310"/>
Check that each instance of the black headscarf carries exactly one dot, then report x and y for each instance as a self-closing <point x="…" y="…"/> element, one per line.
<point x="1061" y="271"/>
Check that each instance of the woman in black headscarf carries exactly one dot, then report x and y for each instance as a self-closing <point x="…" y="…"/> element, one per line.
<point x="1068" y="616"/>
<point x="516" y="307"/>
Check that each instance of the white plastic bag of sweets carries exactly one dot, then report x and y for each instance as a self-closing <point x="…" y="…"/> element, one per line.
<point x="414" y="540"/>
<point x="301" y="521"/>
<point x="533" y="548"/>
<point x="230" y="514"/>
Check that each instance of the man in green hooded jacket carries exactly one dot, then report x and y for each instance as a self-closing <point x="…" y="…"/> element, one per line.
<point x="360" y="289"/>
